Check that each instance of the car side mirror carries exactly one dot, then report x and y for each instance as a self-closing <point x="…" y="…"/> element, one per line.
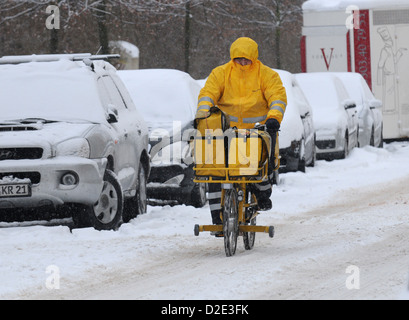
<point x="349" y="104"/>
<point x="375" y="103"/>
<point x="188" y="134"/>
<point x="112" y="114"/>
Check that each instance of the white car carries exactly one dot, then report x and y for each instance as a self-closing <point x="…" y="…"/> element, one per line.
<point x="369" y="109"/>
<point x="71" y="137"/>
<point x="297" y="133"/>
<point x="168" y="100"/>
<point x="335" y="114"/>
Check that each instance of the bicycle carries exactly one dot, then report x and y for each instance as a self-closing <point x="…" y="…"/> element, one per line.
<point x="238" y="201"/>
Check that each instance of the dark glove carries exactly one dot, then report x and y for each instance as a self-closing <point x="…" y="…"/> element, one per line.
<point x="272" y="125"/>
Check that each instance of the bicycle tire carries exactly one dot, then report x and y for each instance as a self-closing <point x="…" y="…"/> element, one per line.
<point x="230" y="222"/>
<point x="249" y="237"/>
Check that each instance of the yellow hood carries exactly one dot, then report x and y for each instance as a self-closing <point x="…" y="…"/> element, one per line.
<point x="249" y="94"/>
<point x="244" y="48"/>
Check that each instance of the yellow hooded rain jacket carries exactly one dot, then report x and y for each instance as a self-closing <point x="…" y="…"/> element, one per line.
<point x="248" y="94"/>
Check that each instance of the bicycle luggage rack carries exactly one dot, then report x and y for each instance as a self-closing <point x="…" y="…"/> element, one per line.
<point x="245" y="227"/>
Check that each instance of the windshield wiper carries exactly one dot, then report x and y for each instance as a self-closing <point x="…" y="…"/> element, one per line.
<point x="34" y="120"/>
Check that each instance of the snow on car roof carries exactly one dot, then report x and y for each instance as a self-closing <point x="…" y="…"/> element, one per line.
<point x="61" y="90"/>
<point x="162" y="95"/>
<point x="353" y="83"/>
<point x="314" y="86"/>
<point x="291" y="126"/>
<point x="334" y="5"/>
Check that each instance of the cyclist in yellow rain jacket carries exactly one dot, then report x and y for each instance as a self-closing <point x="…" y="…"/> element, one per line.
<point x="249" y="92"/>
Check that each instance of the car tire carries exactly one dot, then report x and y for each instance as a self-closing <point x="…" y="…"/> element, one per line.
<point x="301" y="160"/>
<point x="346" y="147"/>
<point x="137" y="204"/>
<point x="314" y="154"/>
<point x="198" y="195"/>
<point x="106" y="213"/>
<point x="372" y="139"/>
<point x="380" y="145"/>
<point x="301" y="165"/>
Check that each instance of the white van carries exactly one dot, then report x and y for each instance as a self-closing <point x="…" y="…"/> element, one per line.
<point x="367" y="37"/>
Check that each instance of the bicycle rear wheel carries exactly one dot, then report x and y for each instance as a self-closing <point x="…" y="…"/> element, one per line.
<point x="249" y="237"/>
<point x="230" y="221"/>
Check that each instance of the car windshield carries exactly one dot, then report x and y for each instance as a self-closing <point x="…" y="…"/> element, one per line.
<point x="57" y="91"/>
<point x="313" y="89"/>
<point x="164" y="97"/>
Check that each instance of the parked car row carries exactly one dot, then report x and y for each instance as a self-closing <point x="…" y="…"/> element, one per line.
<point x="101" y="143"/>
<point x="327" y="115"/>
<point x="345" y="112"/>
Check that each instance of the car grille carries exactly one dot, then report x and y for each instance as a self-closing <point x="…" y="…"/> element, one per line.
<point x="18" y="128"/>
<point x="325" y="144"/>
<point x="35" y="177"/>
<point x="20" y="153"/>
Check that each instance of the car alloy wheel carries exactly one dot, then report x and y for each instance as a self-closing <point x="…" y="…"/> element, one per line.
<point x="106" y="213"/>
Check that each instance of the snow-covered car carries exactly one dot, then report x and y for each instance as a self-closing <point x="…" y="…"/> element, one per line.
<point x="297" y="133"/>
<point x="334" y="114"/>
<point x="168" y="100"/>
<point x="369" y="109"/>
<point x="71" y="137"/>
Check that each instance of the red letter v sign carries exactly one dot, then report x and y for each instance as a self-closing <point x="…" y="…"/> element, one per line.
<point x="327" y="63"/>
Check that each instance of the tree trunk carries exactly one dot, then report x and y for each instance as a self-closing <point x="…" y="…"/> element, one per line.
<point x="187" y="35"/>
<point x="277" y="35"/>
<point x="54" y="41"/>
<point x="102" y="28"/>
<point x="277" y="38"/>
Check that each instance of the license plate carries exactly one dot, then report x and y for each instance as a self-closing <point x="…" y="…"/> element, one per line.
<point x="15" y="190"/>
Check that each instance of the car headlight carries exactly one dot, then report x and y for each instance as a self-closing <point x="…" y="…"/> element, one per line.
<point x="77" y="147"/>
<point x="296" y="146"/>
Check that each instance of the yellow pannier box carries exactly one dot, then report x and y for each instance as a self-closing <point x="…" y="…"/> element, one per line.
<point x="209" y="144"/>
<point x="249" y="151"/>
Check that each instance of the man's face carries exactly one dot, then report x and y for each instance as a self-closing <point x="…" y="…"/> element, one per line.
<point x="242" y="61"/>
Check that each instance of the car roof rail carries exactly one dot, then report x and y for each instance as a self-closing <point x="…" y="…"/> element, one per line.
<point x="55" y="57"/>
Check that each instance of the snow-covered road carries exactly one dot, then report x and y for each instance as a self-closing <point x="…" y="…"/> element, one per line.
<point x="341" y="233"/>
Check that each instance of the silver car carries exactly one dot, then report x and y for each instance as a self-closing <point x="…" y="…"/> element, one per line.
<point x="71" y="138"/>
<point x="369" y="109"/>
<point x="334" y="112"/>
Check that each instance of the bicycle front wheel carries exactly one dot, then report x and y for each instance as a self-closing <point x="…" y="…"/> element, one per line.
<point x="230" y="221"/>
